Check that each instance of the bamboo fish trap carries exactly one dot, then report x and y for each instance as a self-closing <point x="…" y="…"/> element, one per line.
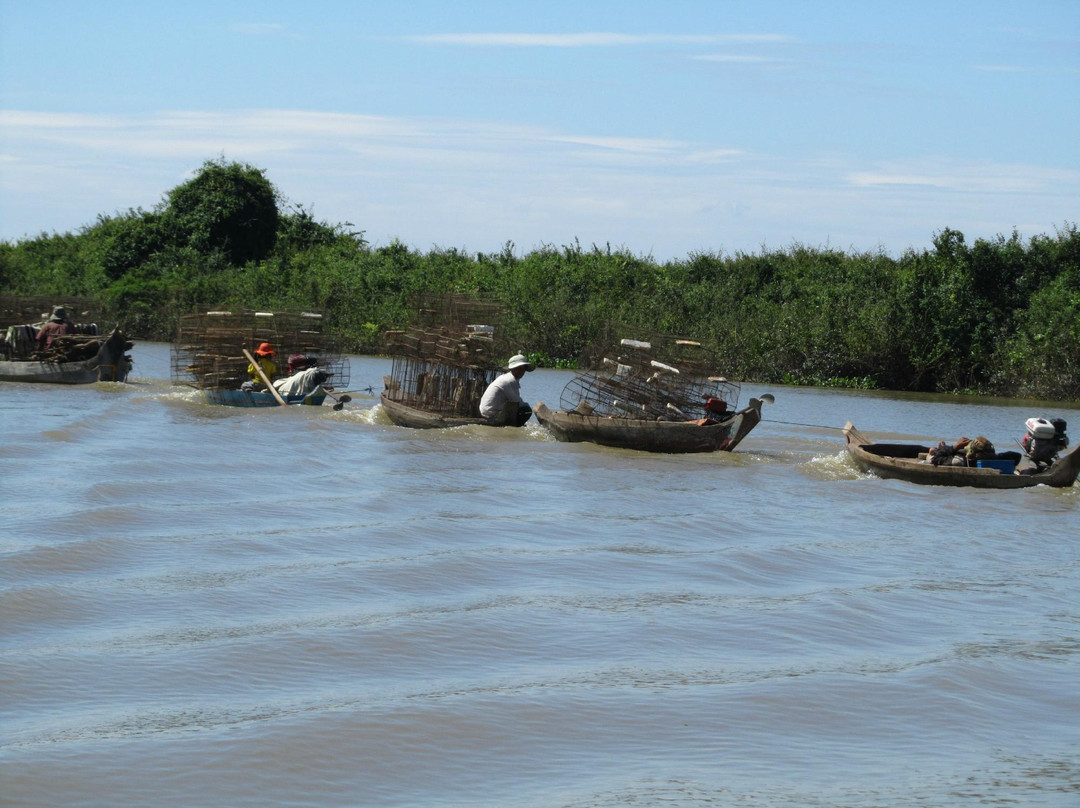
<point x="88" y="316"/>
<point x="451" y="350"/>
<point x="22" y="316"/>
<point x="209" y="346"/>
<point x="660" y="378"/>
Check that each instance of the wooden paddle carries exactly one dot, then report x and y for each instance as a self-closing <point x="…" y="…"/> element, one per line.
<point x="262" y="375"/>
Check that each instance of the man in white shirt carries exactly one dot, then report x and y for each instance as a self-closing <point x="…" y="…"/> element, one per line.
<point x="302" y="383"/>
<point x="501" y="404"/>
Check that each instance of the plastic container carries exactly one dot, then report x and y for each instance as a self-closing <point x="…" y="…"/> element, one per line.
<point x="1004" y="466"/>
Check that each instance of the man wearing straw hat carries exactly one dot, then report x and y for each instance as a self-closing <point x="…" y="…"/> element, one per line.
<point x="501" y="404"/>
<point x="57" y="326"/>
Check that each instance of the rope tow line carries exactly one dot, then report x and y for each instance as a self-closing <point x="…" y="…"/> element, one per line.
<point x="796" y="423"/>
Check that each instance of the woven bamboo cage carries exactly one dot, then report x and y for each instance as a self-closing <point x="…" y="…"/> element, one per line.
<point x="22" y="315"/>
<point x="209" y="348"/>
<point x="659" y="378"/>
<point x="451" y="350"/>
<point x="36" y="309"/>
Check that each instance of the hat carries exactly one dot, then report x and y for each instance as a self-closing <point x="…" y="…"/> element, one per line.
<point x="58" y="313"/>
<point x="299" y="361"/>
<point x="517" y="361"/>
<point x="266" y="350"/>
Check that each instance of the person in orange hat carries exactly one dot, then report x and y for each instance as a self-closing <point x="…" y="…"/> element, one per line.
<point x="264" y="355"/>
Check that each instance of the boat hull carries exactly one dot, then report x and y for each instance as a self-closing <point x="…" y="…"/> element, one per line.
<point x="109" y="365"/>
<point x="250" y="398"/>
<point x="404" y="415"/>
<point x="670" y="437"/>
<point x="900" y="461"/>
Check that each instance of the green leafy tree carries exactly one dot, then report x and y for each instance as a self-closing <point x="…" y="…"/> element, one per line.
<point x="229" y="208"/>
<point x="127" y="241"/>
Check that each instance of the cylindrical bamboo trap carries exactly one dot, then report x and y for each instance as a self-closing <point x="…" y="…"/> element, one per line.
<point x="655" y="379"/>
<point x="209" y="347"/>
<point x="444" y="359"/>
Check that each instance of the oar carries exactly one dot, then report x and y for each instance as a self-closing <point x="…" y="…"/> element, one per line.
<point x="262" y="375"/>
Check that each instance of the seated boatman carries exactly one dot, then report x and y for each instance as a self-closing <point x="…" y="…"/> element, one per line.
<point x="57" y="326"/>
<point x="304" y="381"/>
<point x="298" y="362"/>
<point x="501" y="404"/>
<point x="264" y="355"/>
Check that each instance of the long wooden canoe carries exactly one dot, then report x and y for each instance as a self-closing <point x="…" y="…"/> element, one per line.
<point x="108" y="365"/>
<point x="902" y="461"/>
<point x="674" y="437"/>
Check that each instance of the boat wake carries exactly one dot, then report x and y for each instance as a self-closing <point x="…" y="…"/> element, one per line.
<point x="832" y="467"/>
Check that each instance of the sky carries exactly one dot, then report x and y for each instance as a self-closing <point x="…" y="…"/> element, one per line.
<point x="665" y="129"/>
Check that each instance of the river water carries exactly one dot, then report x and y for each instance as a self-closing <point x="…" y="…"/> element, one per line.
<point x="205" y="606"/>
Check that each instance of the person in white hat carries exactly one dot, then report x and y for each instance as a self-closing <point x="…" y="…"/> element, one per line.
<point x="501" y="403"/>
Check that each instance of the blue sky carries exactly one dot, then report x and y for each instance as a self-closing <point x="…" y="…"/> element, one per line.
<point x="663" y="128"/>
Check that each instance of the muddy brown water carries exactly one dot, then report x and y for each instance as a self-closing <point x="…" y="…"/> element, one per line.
<point x="204" y="606"/>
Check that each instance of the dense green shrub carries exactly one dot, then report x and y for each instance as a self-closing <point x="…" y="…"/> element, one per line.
<point x="226" y="207"/>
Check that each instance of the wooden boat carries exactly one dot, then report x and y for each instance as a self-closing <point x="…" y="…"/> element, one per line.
<point x="416" y="418"/>
<point x="109" y="364"/>
<point x="404" y="415"/>
<point x="259" y="398"/>
<point x="407" y="415"/>
<point x="674" y="437"/>
<point x="903" y="461"/>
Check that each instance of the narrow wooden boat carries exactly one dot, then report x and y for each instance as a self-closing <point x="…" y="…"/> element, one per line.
<point x="674" y="437"/>
<point x="259" y="398"/>
<point x="904" y="461"/>
<point x="415" y="418"/>
<point x="109" y="364"/>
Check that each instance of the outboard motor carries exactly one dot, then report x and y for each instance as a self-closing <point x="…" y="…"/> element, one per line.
<point x="1044" y="439"/>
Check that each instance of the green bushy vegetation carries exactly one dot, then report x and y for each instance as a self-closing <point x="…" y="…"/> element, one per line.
<point x="999" y="316"/>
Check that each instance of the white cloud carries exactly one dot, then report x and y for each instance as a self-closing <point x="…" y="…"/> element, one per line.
<point x="983" y="178"/>
<point x="478" y="185"/>
<point x="623" y="144"/>
<point x="266" y="133"/>
<point x="15" y="120"/>
<point x="866" y="179"/>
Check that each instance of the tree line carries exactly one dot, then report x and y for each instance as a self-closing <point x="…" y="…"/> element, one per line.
<point x="999" y="316"/>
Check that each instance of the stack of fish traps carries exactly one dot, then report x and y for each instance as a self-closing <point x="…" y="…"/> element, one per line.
<point x="452" y="349"/>
<point x="36" y="309"/>
<point x="209" y="348"/>
<point x="656" y="379"/>
<point x="21" y="315"/>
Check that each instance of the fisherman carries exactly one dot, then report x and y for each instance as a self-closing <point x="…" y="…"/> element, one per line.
<point x="264" y="356"/>
<point x="501" y="404"/>
<point x="304" y="381"/>
<point x="298" y="362"/>
<point x="58" y="325"/>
